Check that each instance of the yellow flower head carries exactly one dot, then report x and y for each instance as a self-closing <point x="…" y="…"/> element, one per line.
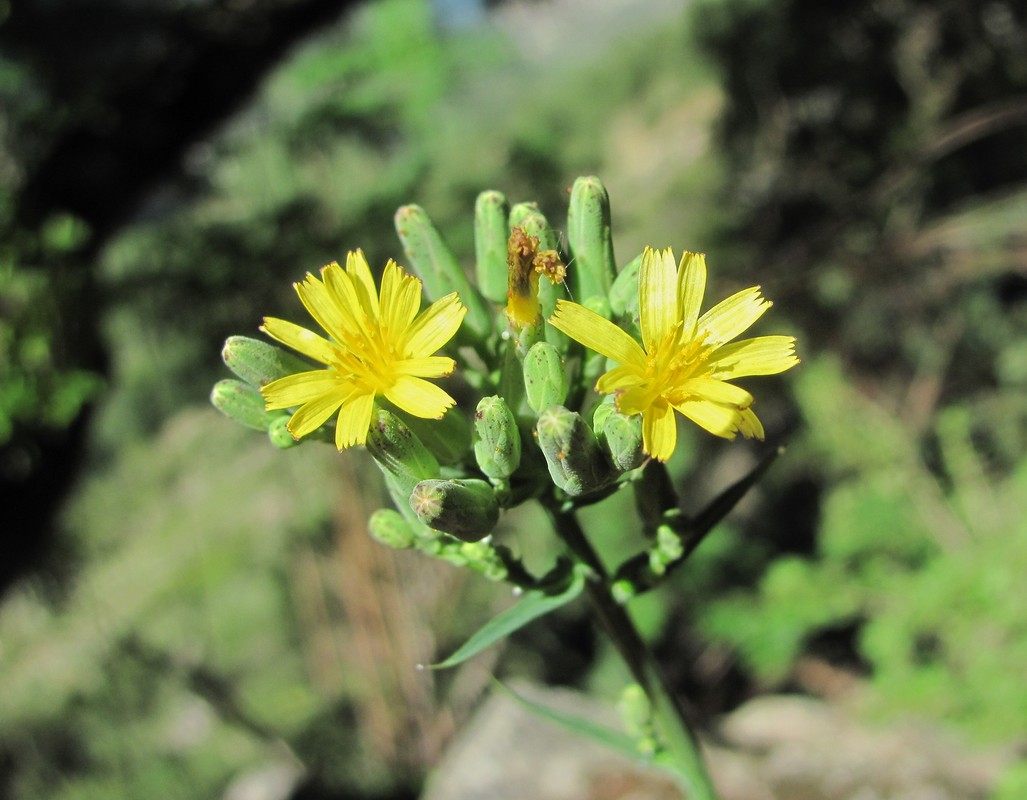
<point x="685" y="360"/>
<point x="379" y="345"/>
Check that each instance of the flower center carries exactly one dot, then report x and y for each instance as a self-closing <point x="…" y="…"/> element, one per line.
<point x="368" y="359"/>
<point x="672" y="363"/>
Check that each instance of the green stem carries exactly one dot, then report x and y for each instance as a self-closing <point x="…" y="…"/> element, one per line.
<point x="682" y="745"/>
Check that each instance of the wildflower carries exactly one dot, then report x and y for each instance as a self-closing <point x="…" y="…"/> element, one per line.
<point x="684" y="361"/>
<point x="379" y="345"/>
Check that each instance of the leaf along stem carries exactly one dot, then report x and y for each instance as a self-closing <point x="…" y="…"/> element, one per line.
<point x="683" y="756"/>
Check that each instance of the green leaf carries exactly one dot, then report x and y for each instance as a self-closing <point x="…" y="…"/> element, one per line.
<point x="534" y="604"/>
<point x="608" y="737"/>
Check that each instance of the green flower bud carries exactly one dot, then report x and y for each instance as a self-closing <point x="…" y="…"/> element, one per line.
<point x="518" y="213"/>
<point x="431" y="258"/>
<point x="534" y="223"/>
<point x="498" y="446"/>
<point x="243" y="403"/>
<point x="388" y="527"/>
<point x="669" y="548"/>
<point x="466" y="509"/>
<point x="575" y="460"/>
<point x="620" y="436"/>
<point x="258" y="362"/>
<point x="590" y="239"/>
<point x="624" y="292"/>
<point x="636" y="711"/>
<point x="483" y="557"/>
<point x="545" y="379"/>
<point x="490" y="236"/>
<point x="279" y="434"/>
<point x="399" y="453"/>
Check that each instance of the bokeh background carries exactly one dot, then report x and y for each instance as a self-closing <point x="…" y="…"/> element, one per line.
<point x="187" y="612"/>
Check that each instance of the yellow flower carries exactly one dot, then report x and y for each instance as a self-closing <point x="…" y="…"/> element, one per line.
<point x="685" y="360"/>
<point x="379" y="345"/>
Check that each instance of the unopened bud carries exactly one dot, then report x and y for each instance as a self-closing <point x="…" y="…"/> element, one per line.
<point x="545" y="380"/>
<point x="399" y="453"/>
<point x="467" y="509"/>
<point x="242" y="402"/>
<point x="575" y="460"/>
<point x="433" y="260"/>
<point x="388" y="527"/>
<point x="620" y="436"/>
<point x="279" y="434"/>
<point x="258" y="362"/>
<point x="590" y="239"/>
<point x="490" y="236"/>
<point x="624" y="291"/>
<point x="498" y="446"/>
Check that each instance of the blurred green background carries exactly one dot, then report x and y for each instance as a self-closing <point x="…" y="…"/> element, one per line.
<point x="184" y="606"/>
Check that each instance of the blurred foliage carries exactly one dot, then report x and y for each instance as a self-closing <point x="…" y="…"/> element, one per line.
<point x="925" y="556"/>
<point x="875" y="162"/>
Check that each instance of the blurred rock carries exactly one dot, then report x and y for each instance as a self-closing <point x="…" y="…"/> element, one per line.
<point x="773" y="748"/>
<point x="505" y="752"/>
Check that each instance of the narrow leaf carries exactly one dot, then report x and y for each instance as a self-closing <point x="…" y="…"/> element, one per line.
<point x="608" y="737"/>
<point x="534" y="604"/>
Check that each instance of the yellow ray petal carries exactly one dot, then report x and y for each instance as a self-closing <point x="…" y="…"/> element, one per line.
<point x="657" y="298"/>
<point x="715" y="391"/>
<point x="659" y="431"/>
<point x="299" y="339"/>
<point x="691" y="288"/>
<point x="730" y="317"/>
<point x="718" y="420"/>
<point x="354" y="420"/>
<point x="750" y="425"/>
<point x="311" y="416"/>
<point x="346" y="298"/>
<point x="596" y="333"/>
<point x="619" y="378"/>
<point x="434" y="326"/>
<point x="321" y="305"/>
<point x="302" y="387"/>
<point x="763" y="355"/>
<point x="420" y="398"/>
<point x="400" y="299"/>
<point x="427" y="367"/>
<point x="363" y="282"/>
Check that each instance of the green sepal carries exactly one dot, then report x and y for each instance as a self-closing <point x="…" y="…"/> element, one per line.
<point x="497" y="448"/>
<point x="242" y="402"/>
<point x="620" y="435"/>
<point x="491" y="210"/>
<point x="533" y="604"/>
<point x="390" y="528"/>
<point x="400" y="453"/>
<point x="545" y="379"/>
<point x="258" y="362"/>
<point x="464" y="508"/>
<point x="590" y="239"/>
<point x="449" y="438"/>
<point x="575" y="460"/>
<point x="432" y="259"/>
